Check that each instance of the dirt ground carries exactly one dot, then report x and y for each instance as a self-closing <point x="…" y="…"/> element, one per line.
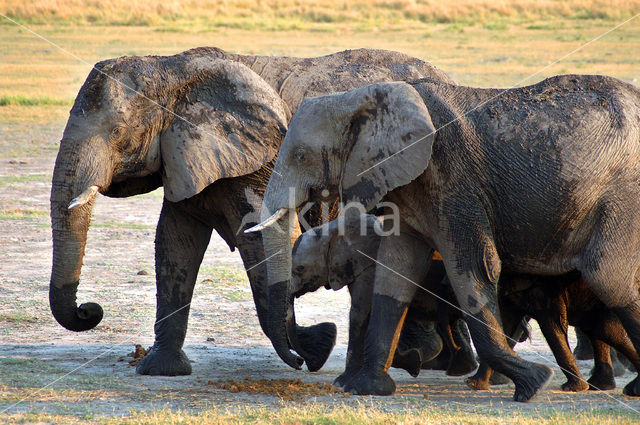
<point x="45" y="368"/>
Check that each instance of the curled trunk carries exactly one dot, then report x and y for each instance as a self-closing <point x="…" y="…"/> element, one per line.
<point x="70" y="229"/>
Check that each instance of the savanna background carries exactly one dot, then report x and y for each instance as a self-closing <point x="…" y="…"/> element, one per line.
<point x="50" y="375"/>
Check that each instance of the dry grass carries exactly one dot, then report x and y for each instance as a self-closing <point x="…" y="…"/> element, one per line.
<point x="299" y="14"/>
<point x="480" y="43"/>
<point x="312" y="413"/>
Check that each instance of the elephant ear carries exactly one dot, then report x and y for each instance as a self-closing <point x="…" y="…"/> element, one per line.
<point x="228" y="122"/>
<point x="389" y="137"/>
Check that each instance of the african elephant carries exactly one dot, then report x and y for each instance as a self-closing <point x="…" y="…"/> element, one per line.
<point x="556" y="302"/>
<point x="207" y="127"/>
<point x="584" y="351"/>
<point x="328" y="255"/>
<point x="541" y="179"/>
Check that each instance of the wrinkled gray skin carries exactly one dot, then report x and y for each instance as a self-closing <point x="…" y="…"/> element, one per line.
<point x="329" y="256"/>
<point x="121" y="142"/>
<point x="542" y="179"/>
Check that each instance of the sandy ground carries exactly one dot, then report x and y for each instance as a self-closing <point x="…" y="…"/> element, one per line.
<point x="43" y="367"/>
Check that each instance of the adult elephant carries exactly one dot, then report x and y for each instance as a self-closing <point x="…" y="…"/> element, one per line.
<point x="207" y="128"/>
<point x="542" y="180"/>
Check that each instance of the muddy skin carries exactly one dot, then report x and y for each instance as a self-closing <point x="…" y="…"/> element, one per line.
<point x="124" y="144"/>
<point x="527" y="180"/>
<point x="331" y="254"/>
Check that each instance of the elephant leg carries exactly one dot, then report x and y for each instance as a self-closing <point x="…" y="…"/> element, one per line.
<point x="602" y="373"/>
<point x="391" y="298"/>
<point x="609" y="330"/>
<point x="484" y="376"/>
<point x="181" y="242"/>
<point x="610" y="268"/>
<point x="474" y="270"/>
<point x="462" y="361"/>
<point x="584" y="349"/>
<point x="630" y="318"/>
<point x="554" y="328"/>
<point x="361" y="297"/>
<point x="619" y="363"/>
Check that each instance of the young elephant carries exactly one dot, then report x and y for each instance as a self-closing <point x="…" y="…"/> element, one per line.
<point x="335" y="255"/>
<point x="540" y="179"/>
<point x="556" y="302"/>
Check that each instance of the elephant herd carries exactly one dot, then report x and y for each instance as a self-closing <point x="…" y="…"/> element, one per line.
<point x="446" y="210"/>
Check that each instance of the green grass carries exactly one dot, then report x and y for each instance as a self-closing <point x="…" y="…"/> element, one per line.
<point x="223" y="276"/>
<point x="24" y="178"/>
<point x="22" y="213"/>
<point x="21" y="100"/>
<point x="18" y="318"/>
<point x="21" y="373"/>
<point x="121" y="225"/>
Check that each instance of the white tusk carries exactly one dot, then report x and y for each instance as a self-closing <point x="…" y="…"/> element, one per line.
<point x="83" y="198"/>
<point x="268" y="222"/>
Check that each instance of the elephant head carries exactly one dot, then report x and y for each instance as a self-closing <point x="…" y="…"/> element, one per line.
<point x="137" y="123"/>
<point x="328" y="254"/>
<point x="358" y="145"/>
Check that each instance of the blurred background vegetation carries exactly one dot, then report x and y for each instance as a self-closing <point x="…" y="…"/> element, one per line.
<point x="308" y="14"/>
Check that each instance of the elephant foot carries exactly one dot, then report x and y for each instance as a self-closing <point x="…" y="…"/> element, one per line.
<point x="462" y="363"/>
<point x="409" y="360"/>
<point x="423" y="337"/>
<point x="164" y="363"/>
<point x="602" y="378"/>
<point x="477" y="383"/>
<point x="632" y="389"/>
<point x="317" y="341"/>
<point x="344" y="378"/>
<point x="534" y="380"/>
<point x="375" y="383"/>
<point x="576" y="386"/>
<point x="498" y="379"/>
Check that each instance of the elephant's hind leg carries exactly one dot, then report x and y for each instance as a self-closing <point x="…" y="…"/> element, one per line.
<point x="474" y="267"/>
<point x="611" y="267"/>
<point x="602" y="375"/>
<point x="181" y="242"/>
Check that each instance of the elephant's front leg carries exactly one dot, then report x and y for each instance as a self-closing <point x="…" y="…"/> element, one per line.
<point x="474" y="269"/>
<point x="361" y="297"/>
<point x="181" y="242"/>
<point x="391" y="297"/>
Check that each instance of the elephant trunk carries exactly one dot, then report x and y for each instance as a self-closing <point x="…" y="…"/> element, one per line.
<point x="280" y="316"/>
<point x="70" y="227"/>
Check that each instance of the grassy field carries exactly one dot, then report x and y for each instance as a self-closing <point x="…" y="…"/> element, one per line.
<point x="310" y="14"/>
<point x="363" y="415"/>
<point x="479" y="43"/>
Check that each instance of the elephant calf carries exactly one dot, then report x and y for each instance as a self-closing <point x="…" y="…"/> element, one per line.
<point x="556" y="302"/>
<point x="331" y="255"/>
<point x="540" y="180"/>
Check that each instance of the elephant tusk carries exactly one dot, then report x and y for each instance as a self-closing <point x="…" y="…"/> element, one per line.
<point x="268" y="222"/>
<point x="83" y="198"/>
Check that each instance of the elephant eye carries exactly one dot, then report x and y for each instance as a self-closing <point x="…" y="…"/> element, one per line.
<point x="116" y="133"/>
<point x="299" y="154"/>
